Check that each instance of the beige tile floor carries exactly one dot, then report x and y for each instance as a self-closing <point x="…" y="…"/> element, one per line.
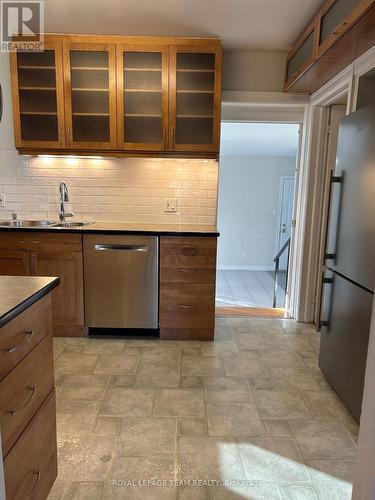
<point x="248" y="416"/>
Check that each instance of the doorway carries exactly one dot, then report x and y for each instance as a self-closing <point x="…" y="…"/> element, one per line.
<point x="255" y="214"/>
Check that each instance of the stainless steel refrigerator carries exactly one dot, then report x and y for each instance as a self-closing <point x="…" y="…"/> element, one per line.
<point x="349" y="275"/>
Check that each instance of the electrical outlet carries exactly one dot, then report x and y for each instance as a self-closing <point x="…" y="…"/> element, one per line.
<point x="2" y="200"/>
<point x="170" y="206"/>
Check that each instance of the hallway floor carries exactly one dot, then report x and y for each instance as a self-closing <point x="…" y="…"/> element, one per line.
<point x="248" y="289"/>
<point x="248" y="416"/>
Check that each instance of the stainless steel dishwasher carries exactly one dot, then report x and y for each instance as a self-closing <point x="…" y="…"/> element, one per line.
<point x="121" y="281"/>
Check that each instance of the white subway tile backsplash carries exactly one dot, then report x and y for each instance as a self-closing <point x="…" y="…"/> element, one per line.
<point x="116" y="190"/>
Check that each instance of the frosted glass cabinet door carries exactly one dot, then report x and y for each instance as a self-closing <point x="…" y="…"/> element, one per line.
<point x="90" y="95"/>
<point x="194" y="108"/>
<point x="142" y="79"/>
<point x="38" y="97"/>
<point x="336" y="17"/>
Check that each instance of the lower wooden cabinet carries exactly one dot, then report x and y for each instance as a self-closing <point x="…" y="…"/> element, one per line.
<point x="30" y="468"/>
<point x="27" y="403"/>
<point x="24" y="390"/>
<point x="67" y="299"/>
<point x="50" y="254"/>
<point x="187" y="287"/>
<point x="14" y="263"/>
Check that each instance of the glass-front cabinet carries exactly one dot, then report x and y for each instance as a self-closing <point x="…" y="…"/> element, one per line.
<point x="194" y="98"/>
<point x="90" y="95"/>
<point x="142" y="106"/>
<point x="38" y="103"/>
<point x="118" y="95"/>
<point x="336" y="17"/>
<point x="302" y="55"/>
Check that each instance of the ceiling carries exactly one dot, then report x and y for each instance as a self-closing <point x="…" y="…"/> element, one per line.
<point x="258" y="139"/>
<point x="241" y="24"/>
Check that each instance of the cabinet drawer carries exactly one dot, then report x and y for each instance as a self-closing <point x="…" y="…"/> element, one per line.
<point x="187" y="306"/>
<point x="23" y="333"/>
<point x="191" y="316"/>
<point x="187" y="275"/>
<point x="48" y="241"/>
<point x="24" y="390"/>
<point x="186" y="294"/>
<point x="188" y="261"/>
<point x="176" y="333"/>
<point x="30" y="468"/>
<point x="188" y="247"/>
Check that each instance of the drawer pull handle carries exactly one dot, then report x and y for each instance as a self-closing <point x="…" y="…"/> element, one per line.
<point x="182" y="306"/>
<point x="184" y="270"/>
<point x="16" y="348"/>
<point x="35" y="242"/>
<point x="28" y="400"/>
<point x="35" y="473"/>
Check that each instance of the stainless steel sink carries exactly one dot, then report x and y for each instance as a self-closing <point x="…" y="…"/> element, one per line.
<point x="71" y="224"/>
<point x="26" y="223"/>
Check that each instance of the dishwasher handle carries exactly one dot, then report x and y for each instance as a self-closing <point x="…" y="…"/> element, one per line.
<point x="120" y="247"/>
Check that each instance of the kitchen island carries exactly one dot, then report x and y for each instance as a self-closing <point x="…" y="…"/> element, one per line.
<point x="27" y="397"/>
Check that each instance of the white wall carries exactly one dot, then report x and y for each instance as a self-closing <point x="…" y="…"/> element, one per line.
<point x="247" y="209"/>
<point x="258" y="71"/>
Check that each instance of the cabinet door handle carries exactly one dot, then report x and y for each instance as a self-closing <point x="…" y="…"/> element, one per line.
<point x="164" y="137"/>
<point x="26" y="403"/>
<point x="183" y="306"/>
<point x="34" y="242"/>
<point x="172" y="137"/>
<point x="341" y="25"/>
<point x="296" y="73"/>
<point x="35" y="473"/>
<point x="17" y="347"/>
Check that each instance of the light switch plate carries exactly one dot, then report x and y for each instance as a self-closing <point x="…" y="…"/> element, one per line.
<point x="170" y="206"/>
<point x="2" y="200"/>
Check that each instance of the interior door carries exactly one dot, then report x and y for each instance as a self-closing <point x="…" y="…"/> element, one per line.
<point x="142" y="96"/>
<point x="286" y="215"/>
<point x="90" y="95"/>
<point x="195" y="94"/>
<point x="38" y="98"/>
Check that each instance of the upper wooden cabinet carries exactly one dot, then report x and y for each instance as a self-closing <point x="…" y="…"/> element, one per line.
<point x="90" y="95"/>
<point x="194" y="93"/>
<point x="340" y="32"/>
<point x="119" y="95"/>
<point x="335" y="18"/>
<point x="142" y="97"/>
<point x="38" y="97"/>
<point x="302" y="55"/>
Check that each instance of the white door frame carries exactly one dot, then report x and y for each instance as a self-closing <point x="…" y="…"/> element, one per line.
<point x="276" y="107"/>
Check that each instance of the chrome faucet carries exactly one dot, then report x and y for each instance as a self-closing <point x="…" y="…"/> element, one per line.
<point x="64" y="197"/>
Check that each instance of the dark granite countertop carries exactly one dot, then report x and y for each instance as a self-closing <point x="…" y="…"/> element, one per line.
<point x="17" y="293"/>
<point x="130" y="228"/>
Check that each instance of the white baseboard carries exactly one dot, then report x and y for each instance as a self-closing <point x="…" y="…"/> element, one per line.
<point x="246" y="268"/>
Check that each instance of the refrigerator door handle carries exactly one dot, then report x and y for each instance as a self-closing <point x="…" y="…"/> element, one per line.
<point x="333" y="180"/>
<point x="325" y="322"/>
